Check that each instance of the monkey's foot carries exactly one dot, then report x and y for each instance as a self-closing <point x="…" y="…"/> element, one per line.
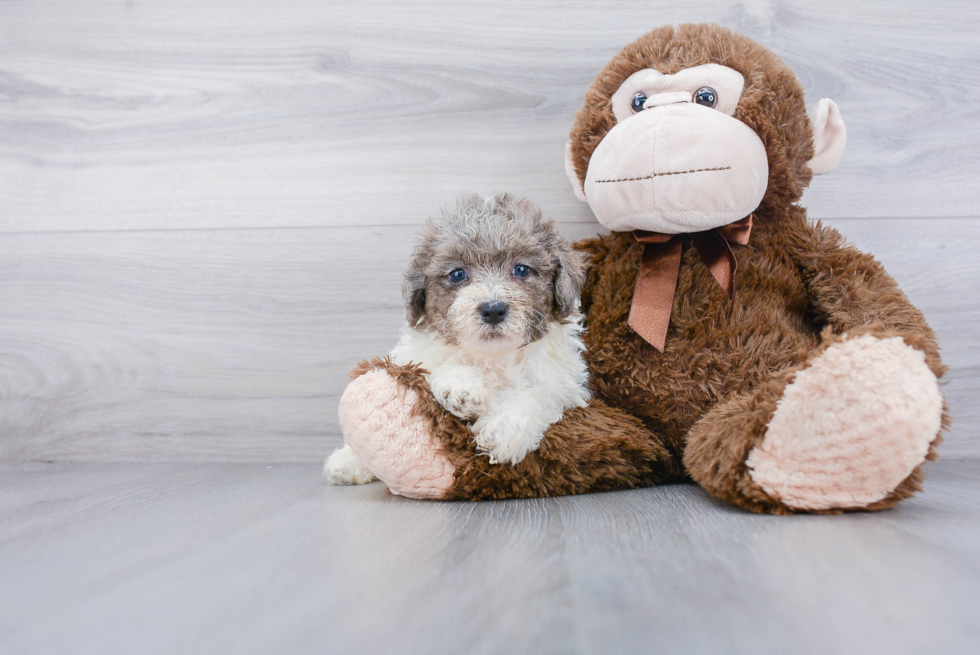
<point x="850" y="427"/>
<point x="382" y="428"/>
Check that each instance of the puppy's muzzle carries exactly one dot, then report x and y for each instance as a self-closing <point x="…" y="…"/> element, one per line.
<point x="494" y="312"/>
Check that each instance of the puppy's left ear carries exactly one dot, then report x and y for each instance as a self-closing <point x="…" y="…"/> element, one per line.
<point x="569" y="278"/>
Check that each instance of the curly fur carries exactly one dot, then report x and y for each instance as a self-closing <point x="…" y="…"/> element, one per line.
<point x="511" y="376"/>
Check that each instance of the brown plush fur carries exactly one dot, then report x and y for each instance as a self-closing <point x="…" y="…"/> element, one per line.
<point x="698" y="408"/>
<point x="712" y="391"/>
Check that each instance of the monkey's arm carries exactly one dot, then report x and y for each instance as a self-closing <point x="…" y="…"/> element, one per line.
<point x="394" y="425"/>
<point x="850" y="291"/>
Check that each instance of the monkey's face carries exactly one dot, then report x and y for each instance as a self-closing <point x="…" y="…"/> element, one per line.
<point x="693" y="127"/>
<point x="676" y="160"/>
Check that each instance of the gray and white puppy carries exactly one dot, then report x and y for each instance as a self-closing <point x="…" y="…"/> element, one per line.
<point x="492" y="298"/>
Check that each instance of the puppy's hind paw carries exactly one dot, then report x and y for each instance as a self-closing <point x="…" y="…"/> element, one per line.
<point x="343" y="467"/>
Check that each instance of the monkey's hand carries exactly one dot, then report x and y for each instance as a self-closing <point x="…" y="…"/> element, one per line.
<point x="460" y="390"/>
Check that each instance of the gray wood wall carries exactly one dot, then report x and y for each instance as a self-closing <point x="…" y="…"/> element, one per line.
<point x="206" y="207"/>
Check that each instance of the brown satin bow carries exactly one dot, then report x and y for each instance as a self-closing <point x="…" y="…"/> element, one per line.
<point x="657" y="278"/>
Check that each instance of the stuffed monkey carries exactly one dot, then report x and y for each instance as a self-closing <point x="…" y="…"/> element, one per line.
<point x="731" y="342"/>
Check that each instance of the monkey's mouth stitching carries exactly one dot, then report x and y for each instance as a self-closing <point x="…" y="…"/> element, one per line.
<point x="653" y="175"/>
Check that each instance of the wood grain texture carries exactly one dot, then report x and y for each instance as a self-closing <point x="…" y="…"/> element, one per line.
<point x="303" y="113"/>
<point x="234" y="344"/>
<point x="168" y="558"/>
<point x="205" y="207"/>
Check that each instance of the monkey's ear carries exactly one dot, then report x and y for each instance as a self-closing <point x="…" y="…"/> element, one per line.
<point x="570" y="172"/>
<point x="829" y="137"/>
<point x="569" y="279"/>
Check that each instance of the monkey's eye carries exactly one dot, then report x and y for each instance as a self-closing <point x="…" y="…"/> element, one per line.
<point x="706" y="96"/>
<point x="457" y="276"/>
<point x="521" y="270"/>
<point x="636" y="104"/>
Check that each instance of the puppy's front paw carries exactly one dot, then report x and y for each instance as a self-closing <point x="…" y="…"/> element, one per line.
<point x="460" y="392"/>
<point x="464" y="403"/>
<point x="506" y="439"/>
<point x="343" y="467"/>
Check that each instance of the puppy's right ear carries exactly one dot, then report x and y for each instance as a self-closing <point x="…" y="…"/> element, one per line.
<point x="413" y="291"/>
<point x="413" y="286"/>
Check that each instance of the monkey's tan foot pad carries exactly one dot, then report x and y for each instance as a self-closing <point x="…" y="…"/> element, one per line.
<point x="380" y="426"/>
<point x="850" y="427"/>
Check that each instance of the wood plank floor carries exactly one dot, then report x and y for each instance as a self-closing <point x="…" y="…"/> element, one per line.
<point x="246" y="558"/>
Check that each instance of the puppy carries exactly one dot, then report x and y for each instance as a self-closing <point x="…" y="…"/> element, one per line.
<point x="492" y="298"/>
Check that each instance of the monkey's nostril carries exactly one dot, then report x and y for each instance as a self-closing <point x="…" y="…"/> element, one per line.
<point x="493" y="312"/>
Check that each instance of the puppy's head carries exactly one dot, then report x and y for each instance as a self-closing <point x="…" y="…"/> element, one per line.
<point x="491" y="275"/>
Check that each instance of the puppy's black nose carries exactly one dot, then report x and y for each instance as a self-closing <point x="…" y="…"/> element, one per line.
<point x="493" y="312"/>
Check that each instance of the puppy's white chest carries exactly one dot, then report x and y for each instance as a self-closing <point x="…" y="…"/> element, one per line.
<point x="506" y="373"/>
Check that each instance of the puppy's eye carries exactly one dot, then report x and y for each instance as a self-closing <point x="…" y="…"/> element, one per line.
<point x="456" y="276"/>
<point x="521" y="270"/>
<point x="706" y="96"/>
<point x="636" y="104"/>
